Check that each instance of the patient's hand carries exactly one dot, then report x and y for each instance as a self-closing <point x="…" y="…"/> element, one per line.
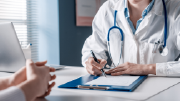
<point x="16" y="78"/>
<point x="40" y="75"/>
<point x="20" y="75"/>
<point x="32" y="79"/>
<point x="37" y="80"/>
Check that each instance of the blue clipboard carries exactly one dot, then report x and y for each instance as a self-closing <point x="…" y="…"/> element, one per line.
<point x="80" y="82"/>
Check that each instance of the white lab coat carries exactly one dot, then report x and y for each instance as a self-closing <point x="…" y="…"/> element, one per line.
<point x="137" y="48"/>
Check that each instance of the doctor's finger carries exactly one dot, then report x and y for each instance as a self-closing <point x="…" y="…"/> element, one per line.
<point x="122" y="65"/>
<point x="92" y="69"/>
<point x="94" y="63"/>
<point x="102" y="62"/>
<point x="95" y="72"/>
<point x="116" y="70"/>
<point x="119" y="73"/>
<point x="119" y="67"/>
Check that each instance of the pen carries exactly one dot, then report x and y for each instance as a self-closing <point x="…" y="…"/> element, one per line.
<point x="95" y="59"/>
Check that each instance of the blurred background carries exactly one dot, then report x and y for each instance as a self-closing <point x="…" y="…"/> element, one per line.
<point x="57" y="29"/>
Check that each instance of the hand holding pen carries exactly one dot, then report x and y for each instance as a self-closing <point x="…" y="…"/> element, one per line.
<point x="93" y="67"/>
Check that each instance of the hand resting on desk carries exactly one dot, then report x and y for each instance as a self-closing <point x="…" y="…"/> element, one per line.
<point x="94" y="68"/>
<point x="134" y="69"/>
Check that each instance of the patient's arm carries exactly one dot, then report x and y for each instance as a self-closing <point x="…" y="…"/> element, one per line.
<point x="4" y="83"/>
<point x="28" y="83"/>
<point x="14" y="79"/>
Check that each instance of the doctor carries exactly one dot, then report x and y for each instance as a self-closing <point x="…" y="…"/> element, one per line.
<point x="141" y="36"/>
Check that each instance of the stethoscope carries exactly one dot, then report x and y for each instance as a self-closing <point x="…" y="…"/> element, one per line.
<point x="159" y="45"/>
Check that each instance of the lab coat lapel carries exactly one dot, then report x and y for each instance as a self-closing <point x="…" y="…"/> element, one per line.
<point x="124" y="24"/>
<point x="128" y="34"/>
<point x="119" y="6"/>
<point x="144" y="24"/>
<point x="156" y="10"/>
<point x="128" y="37"/>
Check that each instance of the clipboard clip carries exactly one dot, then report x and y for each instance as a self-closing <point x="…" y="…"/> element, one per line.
<point x="93" y="87"/>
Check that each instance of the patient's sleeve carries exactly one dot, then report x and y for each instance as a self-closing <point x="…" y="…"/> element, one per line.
<point x="12" y="94"/>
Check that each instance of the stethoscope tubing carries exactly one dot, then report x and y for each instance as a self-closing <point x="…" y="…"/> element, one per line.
<point x="165" y="20"/>
<point x="122" y="34"/>
<point x="115" y="27"/>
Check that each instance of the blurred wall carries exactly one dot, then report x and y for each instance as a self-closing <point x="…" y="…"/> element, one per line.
<point x="48" y="25"/>
<point x="71" y="37"/>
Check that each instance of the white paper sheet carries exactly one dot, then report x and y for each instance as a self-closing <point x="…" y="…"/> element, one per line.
<point x="114" y="80"/>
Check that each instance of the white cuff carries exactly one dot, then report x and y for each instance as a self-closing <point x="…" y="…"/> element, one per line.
<point x="161" y="69"/>
<point x="12" y="94"/>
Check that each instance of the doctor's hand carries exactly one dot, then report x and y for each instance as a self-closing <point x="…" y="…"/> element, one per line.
<point x="134" y="69"/>
<point x="93" y="67"/>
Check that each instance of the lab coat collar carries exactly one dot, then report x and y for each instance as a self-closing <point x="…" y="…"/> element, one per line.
<point x="157" y="8"/>
<point x="119" y="5"/>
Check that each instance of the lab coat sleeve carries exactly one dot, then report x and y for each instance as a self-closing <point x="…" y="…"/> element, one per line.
<point x="176" y="30"/>
<point x="172" y="68"/>
<point x="12" y="94"/>
<point x="97" y="41"/>
<point x="178" y="33"/>
<point x="168" y="69"/>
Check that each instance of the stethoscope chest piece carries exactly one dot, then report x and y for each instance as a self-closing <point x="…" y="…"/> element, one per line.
<point x="163" y="51"/>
